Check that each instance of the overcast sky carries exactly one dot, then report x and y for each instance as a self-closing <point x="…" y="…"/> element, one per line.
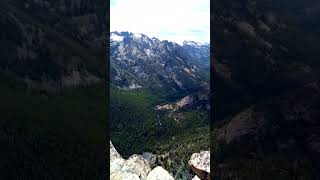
<point x="173" y="20"/>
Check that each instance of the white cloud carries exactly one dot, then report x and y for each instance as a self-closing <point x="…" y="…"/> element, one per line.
<point x="173" y="20"/>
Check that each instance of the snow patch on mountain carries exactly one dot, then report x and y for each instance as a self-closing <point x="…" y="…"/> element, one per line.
<point x="137" y="35"/>
<point x="192" y="43"/>
<point x="134" y="86"/>
<point x="152" y="62"/>
<point x="115" y="37"/>
<point x="148" y="52"/>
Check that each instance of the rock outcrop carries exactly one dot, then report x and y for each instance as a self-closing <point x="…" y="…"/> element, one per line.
<point x="159" y="173"/>
<point x="134" y="168"/>
<point x="195" y="178"/>
<point x="200" y="164"/>
<point x="116" y="159"/>
<point x="119" y="175"/>
<point x="136" y="164"/>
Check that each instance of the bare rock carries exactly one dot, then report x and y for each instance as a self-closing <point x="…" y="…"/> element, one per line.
<point x="120" y="175"/>
<point x="159" y="173"/>
<point x="196" y="178"/>
<point x="138" y="165"/>
<point x="200" y="164"/>
<point x="184" y="101"/>
<point x="116" y="161"/>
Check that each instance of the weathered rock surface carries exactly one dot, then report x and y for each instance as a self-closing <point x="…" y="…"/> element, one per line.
<point x="200" y="164"/>
<point x="116" y="161"/>
<point x="122" y="175"/>
<point x="195" y="178"/>
<point x="136" y="167"/>
<point x="136" y="164"/>
<point x="159" y="173"/>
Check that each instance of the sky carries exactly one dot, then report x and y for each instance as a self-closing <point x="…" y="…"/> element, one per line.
<point x="173" y="20"/>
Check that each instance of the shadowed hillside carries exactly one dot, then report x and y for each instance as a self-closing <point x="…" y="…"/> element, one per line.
<point x="266" y="89"/>
<point x="53" y="89"/>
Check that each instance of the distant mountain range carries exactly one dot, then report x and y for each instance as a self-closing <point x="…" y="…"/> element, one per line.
<point x="200" y="53"/>
<point x="159" y="92"/>
<point x="140" y="61"/>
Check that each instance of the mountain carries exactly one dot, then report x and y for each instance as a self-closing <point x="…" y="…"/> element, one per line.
<point x="53" y="89"/>
<point x="199" y="52"/>
<point x="159" y="100"/>
<point x="51" y="44"/>
<point x="282" y="132"/>
<point x="139" y="61"/>
<point x="258" y="52"/>
<point x="266" y="78"/>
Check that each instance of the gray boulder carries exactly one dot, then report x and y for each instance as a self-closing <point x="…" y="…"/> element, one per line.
<point x="200" y="164"/>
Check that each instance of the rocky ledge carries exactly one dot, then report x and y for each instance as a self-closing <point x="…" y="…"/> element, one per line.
<point x="138" y="168"/>
<point x="134" y="168"/>
<point x="200" y="164"/>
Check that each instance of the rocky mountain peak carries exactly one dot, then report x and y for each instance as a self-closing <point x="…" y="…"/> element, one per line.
<point x="139" y="61"/>
<point x="191" y="43"/>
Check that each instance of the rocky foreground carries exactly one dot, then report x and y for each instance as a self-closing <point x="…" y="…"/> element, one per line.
<point x="138" y="168"/>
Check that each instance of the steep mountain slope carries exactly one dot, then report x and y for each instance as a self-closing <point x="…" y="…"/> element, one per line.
<point x="53" y="89"/>
<point x="288" y="116"/>
<point x="265" y="51"/>
<point x="147" y="76"/>
<point x="139" y="61"/>
<point x="259" y="50"/>
<point x="49" y="44"/>
<point x="279" y="136"/>
<point x="200" y="53"/>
